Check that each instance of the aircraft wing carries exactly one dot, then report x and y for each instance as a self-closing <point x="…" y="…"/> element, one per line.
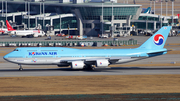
<point x="157" y="53"/>
<point x="95" y="59"/>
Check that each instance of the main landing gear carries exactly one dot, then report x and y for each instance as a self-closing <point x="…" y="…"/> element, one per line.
<point x="89" y="67"/>
<point x="20" y="68"/>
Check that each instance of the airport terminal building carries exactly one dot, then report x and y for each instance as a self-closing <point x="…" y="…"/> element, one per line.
<point x="80" y="17"/>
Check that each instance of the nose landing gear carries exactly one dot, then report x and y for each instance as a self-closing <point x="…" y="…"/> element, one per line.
<point x="20" y="68"/>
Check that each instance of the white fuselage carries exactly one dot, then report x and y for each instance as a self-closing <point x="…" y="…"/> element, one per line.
<point x="34" y="33"/>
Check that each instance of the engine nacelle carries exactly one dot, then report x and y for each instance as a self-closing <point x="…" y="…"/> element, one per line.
<point x="77" y="65"/>
<point x="102" y="63"/>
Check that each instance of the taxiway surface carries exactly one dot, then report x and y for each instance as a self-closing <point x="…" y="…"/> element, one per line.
<point x="104" y="71"/>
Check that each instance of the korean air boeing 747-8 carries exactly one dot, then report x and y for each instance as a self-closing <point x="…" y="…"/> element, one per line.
<point x="89" y="58"/>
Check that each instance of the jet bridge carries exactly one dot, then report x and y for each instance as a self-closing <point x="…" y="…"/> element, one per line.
<point x="14" y="17"/>
<point x="50" y="22"/>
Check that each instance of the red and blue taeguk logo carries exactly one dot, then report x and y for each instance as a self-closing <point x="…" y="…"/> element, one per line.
<point x="158" y="39"/>
<point x="33" y="53"/>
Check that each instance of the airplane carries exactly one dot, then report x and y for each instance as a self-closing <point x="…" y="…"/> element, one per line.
<point x="147" y="10"/>
<point x="24" y="33"/>
<point x="4" y="31"/>
<point x="89" y="58"/>
<point x="178" y="15"/>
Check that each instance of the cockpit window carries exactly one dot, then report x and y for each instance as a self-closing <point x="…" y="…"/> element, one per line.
<point x="15" y="50"/>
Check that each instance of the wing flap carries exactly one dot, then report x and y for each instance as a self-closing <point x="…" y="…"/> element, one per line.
<point x="95" y="59"/>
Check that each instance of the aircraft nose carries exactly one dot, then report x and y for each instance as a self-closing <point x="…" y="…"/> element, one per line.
<point x="5" y="57"/>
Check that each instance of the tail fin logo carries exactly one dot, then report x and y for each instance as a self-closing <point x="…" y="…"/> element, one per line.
<point x="158" y="39"/>
<point x="9" y="27"/>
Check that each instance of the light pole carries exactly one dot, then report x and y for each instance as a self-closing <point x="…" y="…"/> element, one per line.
<point x="112" y="20"/>
<point x="43" y="16"/>
<point x="102" y="27"/>
<point x="60" y="23"/>
<point x="172" y="12"/>
<point x="40" y="9"/>
<point x="154" y="7"/>
<point x="6" y="10"/>
<point x="2" y="8"/>
<point x="166" y="7"/>
<point x="161" y="12"/>
<point x="150" y="5"/>
<point x="134" y="2"/>
<point x="28" y="15"/>
<point x="68" y="29"/>
<point x="25" y="6"/>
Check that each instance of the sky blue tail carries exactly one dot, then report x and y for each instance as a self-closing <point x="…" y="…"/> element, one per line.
<point x="158" y="40"/>
<point x="148" y="10"/>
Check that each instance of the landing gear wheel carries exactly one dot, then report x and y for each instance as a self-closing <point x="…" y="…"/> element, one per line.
<point x="20" y="69"/>
<point x="89" y="67"/>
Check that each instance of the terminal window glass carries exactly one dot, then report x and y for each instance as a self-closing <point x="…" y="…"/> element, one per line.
<point x="107" y="18"/>
<point x="94" y="13"/>
<point x="107" y="26"/>
<point x="150" y="25"/>
<point x="162" y="19"/>
<point x="71" y="21"/>
<point x="97" y="26"/>
<point x="176" y="21"/>
<point x="157" y="25"/>
<point x="117" y="24"/>
<point x="32" y="23"/>
<point x="10" y="18"/>
<point x="56" y="23"/>
<point x="41" y="23"/>
<point x="18" y="20"/>
<point x="140" y="25"/>
<point x="144" y="18"/>
<point x="25" y="21"/>
<point x="165" y="24"/>
<point x="156" y="19"/>
<point x="47" y="22"/>
<point x="87" y="25"/>
<point x="151" y="18"/>
<point x="140" y="18"/>
<point x="120" y="17"/>
<point x="3" y="19"/>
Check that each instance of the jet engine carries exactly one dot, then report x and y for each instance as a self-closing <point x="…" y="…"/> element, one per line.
<point x="77" y="65"/>
<point x="102" y="63"/>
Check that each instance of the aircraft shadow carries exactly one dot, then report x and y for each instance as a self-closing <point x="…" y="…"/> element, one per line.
<point x="86" y="70"/>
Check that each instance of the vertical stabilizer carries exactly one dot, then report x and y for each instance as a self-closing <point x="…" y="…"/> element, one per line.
<point x="9" y="27"/>
<point x="158" y="40"/>
<point x="178" y="15"/>
<point x="148" y="10"/>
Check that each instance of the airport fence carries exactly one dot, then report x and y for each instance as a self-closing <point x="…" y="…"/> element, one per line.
<point x="66" y="43"/>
